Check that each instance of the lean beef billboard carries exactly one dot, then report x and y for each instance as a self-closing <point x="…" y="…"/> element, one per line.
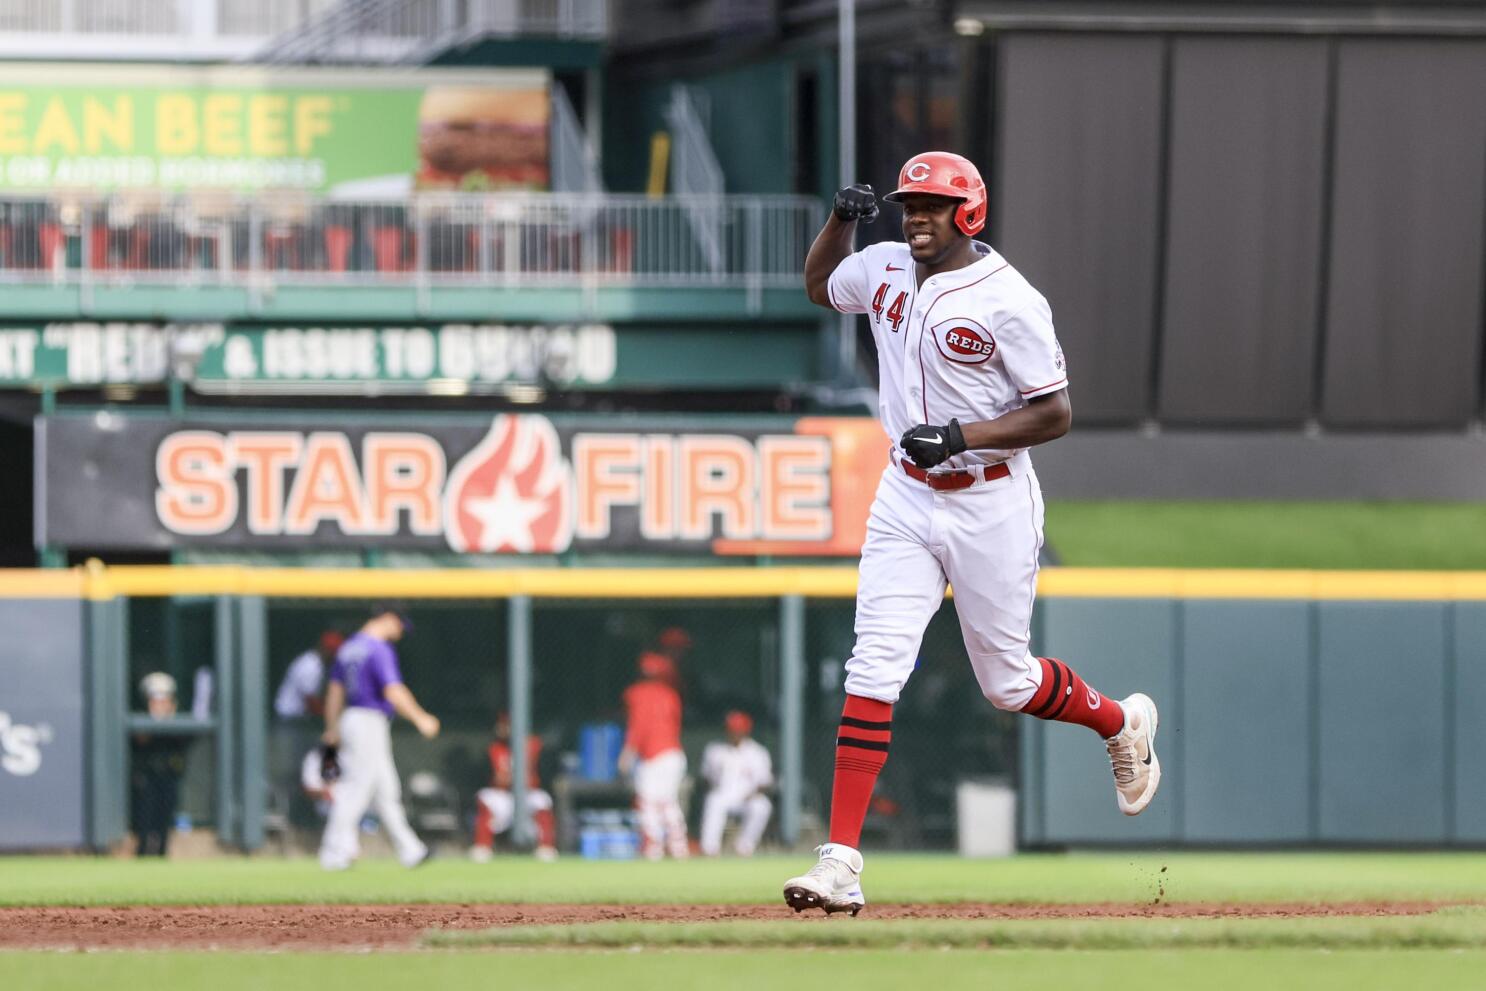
<point x="507" y="484"/>
<point x="342" y="131"/>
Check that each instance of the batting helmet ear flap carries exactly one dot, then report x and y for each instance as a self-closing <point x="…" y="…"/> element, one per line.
<point x="971" y="217"/>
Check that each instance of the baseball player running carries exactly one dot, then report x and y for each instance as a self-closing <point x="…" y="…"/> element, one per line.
<point x="365" y="690"/>
<point x="738" y="769"/>
<point x="971" y="377"/>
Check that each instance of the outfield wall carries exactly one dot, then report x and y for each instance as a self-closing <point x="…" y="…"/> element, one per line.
<point x="1298" y="708"/>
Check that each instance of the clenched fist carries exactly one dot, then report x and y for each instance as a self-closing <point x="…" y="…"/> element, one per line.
<point x="928" y="445"/>
<point x="856" y="203"/>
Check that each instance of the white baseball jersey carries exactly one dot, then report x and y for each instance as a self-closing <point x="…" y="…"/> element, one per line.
<point x="972" y="344"/>
<point x="738" y="771"/>
<point x="306" y="676"/>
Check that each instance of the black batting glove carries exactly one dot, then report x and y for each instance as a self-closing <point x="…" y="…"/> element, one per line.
<point x="856" y="203"/>
<point x="928" y="445"/>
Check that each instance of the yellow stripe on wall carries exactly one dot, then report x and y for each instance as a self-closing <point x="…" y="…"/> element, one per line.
<point x="101" y="582"/>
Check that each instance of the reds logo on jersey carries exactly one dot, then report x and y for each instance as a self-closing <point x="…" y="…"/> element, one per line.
<point x="963" y="341"/>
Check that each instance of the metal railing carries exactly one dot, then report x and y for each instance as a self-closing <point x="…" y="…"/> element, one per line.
<point x="173" y="30"/>
<point x="695" y="172"/>
<point x="283" y="31"/>
<point x="427" y="239"/>
<point x="413" y="31"/>
<point x="260" y="18"/>
<point x="575" y="167"/>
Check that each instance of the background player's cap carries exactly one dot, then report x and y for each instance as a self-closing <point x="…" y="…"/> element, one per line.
<point x="331" y="640"/>
<point x="738" y="722"/>
<point x="157" y="684"/>
<point x="674" y="638"/>
<point x="396" y="609"/>
<point x="943" y="173"/>
<point x="653" y="665"/>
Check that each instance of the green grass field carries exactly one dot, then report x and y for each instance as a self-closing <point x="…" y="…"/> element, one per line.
<point x="1443" y="949"/>
<point x="1346" y="535"/>
<point x="871" y="970"/>
<point x="1135" y="878"/>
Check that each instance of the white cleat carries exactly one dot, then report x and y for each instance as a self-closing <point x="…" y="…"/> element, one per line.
<point x="833" y="884"/>
<point x="481" y="854"/>
<point x="1132" y="755"/>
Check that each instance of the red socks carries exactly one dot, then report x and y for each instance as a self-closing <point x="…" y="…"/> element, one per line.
<point x="546" y="828"/>
<point x="485" y="835"/>
<point x="1063" y="696"/>
<point x="861" y="750"/>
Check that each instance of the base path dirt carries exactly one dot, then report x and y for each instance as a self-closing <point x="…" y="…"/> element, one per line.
<point x="352" y="927"/>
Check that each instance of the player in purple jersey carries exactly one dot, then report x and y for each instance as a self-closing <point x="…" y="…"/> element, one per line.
<point x="365" y="692"/>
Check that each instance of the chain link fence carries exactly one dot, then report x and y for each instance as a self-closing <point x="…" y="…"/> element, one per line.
<point x="731" y="655"/>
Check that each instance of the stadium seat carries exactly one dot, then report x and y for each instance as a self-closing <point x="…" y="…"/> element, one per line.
<point x="337" y="247"/>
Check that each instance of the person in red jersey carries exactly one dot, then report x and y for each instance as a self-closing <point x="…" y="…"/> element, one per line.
<point x="652" y="752"/>
<point x="497" y="803"/>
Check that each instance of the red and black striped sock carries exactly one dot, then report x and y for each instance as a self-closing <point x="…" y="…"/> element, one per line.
<point x="1064" y="697"/>
<point x="861" y="750"/>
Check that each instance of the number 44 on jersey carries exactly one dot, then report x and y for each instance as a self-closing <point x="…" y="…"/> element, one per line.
<point x="894" y="312"/>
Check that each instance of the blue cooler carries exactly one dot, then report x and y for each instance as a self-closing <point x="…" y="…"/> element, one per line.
<point x="598" y="750"/>
<point x="607" y="835"/>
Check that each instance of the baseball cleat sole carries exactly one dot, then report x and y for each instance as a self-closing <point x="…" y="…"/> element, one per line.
<point x="800" y="899"/>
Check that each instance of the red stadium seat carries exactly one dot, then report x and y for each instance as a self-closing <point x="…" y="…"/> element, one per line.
<point x="337" y="247"/>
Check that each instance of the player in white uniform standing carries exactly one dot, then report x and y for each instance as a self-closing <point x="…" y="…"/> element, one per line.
<point x="739" y="770"/>
<point x="971" y="375"/>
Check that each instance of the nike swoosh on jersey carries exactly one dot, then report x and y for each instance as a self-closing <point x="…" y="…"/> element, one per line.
<point x="894" y="268"/>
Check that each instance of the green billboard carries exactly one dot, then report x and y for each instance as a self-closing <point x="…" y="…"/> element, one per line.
<point x="416" y="358"/>
<point x="119" y="127"/>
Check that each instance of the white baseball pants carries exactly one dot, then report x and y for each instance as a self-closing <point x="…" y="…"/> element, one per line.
<point x="502" y="805"/>
<point x="984" y="541"/>
<point x="658" y="802"/>
<point x="753" y="810"/>
<point x="368" y="778"/>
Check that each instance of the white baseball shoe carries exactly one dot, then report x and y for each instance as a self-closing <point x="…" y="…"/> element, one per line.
<point x="834" y="883"/>
<point x="481" y="854"/>
<point x="1132" y="755"/>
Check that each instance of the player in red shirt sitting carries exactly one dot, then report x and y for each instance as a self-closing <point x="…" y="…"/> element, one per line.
<point x="498" y="804"/>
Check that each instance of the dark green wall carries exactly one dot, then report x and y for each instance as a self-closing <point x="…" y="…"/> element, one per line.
<point x="753" y="124"/>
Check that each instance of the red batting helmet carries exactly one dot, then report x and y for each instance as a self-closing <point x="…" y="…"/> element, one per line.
<point x="658" y="666"/>
<point x="943" y="173"/>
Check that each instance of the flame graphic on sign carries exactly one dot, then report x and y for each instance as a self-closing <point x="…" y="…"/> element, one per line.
<point x="512" y="492"/>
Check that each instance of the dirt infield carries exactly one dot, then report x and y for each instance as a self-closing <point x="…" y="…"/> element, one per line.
<point x="354" y="927"/>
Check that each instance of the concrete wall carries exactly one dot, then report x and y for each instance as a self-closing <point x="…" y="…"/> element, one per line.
<point x="1282" y="722"/>
<point x="43" y="732"/>
<point x="1092" y="463"/>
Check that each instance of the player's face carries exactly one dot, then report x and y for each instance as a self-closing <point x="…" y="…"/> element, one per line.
<point x="929" y="226"/>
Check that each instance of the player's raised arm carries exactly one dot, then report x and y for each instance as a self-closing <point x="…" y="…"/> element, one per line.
<point x="837" y="239"/>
